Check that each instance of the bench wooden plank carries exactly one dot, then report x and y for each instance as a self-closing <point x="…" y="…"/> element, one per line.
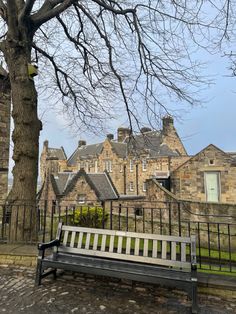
<point x="183" y="252"/>
<point x="103" y="245"/>
<point x="154" y="248"/>
<point x="163" y="249"/>
<point x="136" y="247"/>
<point x="72" y="241"/>
<point x="141" y="259"/>
<point x="65" y="237"/>
<point x="127" y="234"/>
<point x="145" y="248"/>
<point x="173" y="251"/>
<point x="87" y="241"/>
<point x="95" y="242"/>
<point x="128" y="245"/>
<point x="119" y="247"/>
<point x="111" y="246"/>
<point x="80" y="241"/>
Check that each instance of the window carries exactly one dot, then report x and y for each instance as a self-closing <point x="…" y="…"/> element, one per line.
<point x="211" y="162"/>
<point x="81" y="198"/>
<point x="144" y="186"/>
<point x="144" y="163"/>
<point x="108" y="165"/>
<point x="131" y="165"/>
<point x="138" y="211"/>
<point x="96" y="166"/>
<point x="131" y="186"/>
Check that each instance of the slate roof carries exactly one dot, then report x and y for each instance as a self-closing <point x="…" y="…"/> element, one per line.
<point x="58" y="153"/>
<point x="101" y="183"/>
<point x="86" y="151"/>
<point x="151" y="143"/>
<point x="119" y="148"/>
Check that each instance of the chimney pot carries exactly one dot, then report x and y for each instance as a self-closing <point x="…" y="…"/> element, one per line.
<point x="81" y="143"/>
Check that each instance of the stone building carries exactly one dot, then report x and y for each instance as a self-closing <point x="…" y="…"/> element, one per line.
<point x="130" y="160"/>
<point x="5" y="112"/>
<point x="71" y="189"/>
<point x="209" y="176"/>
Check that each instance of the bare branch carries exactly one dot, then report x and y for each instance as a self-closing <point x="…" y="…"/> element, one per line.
<point x="50" y="10"/>
<point x="3" y="10"/>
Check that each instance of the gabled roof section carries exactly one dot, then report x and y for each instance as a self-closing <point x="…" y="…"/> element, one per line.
<point x="149" y="143"/>
<point x="119" y="148"/>
<point x="57" y="153"/>
<point x="201" y="151"/>
<point x="61" y="181"/>
<point x="104" y="186"/>
<point x="101" y="183"/>
<point x="85" y="152"/>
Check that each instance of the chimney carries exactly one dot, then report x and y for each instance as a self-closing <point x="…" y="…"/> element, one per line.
<point x="122" y="133"/>
<point x="168" y="124"/>
<point x="81" y="143"/>
<point x="110" y="137"/>
<point x="145" y="130"/>
<point x="45" y="144"/>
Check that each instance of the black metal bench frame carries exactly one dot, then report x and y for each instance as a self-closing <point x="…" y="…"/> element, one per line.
<point x="78" y="249"/>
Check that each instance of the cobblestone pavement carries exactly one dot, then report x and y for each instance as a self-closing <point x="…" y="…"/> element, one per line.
<point x="88" y="295"/>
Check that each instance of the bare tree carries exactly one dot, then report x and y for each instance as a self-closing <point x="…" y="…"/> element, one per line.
<point x="93" y="54"/>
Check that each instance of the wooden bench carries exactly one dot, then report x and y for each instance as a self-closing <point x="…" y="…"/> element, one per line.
<point x="159" y="259"/>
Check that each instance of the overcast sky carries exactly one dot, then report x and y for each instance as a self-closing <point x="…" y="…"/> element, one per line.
<point x="214" y="122"/>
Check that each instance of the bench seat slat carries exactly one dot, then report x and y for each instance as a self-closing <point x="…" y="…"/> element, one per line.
<point x="141" y="259"/>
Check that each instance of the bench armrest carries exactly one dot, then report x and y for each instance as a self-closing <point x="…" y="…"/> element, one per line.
<point x="44" y="246"/>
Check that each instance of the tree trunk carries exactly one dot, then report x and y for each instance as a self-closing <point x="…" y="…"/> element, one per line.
<point x="27" y="126"/>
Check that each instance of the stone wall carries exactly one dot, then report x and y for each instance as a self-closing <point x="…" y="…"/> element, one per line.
<point x="5" y="108"/>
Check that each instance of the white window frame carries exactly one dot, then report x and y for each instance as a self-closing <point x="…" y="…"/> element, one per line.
<point x="144" y="186"/>
<point x="131" y="165"/>
<point x="131" y="186"/>
<point x="144" y="164"/>
<point x="81" y="198"/>
<point x="218" y="184"/>
<point x="96" y="166"/>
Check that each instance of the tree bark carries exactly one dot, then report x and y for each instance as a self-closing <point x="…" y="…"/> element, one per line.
<point x="27" y="126"/>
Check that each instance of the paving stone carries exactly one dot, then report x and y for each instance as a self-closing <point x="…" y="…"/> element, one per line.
<point x="67" y="295"/>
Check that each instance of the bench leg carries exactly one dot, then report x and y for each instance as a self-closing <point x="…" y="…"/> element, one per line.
<point x="55" y="274"/>
<point x="194" y="297"/>
<point x="38" y="273"/>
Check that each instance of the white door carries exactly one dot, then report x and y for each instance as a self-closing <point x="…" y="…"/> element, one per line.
<point x="212" y="186"/>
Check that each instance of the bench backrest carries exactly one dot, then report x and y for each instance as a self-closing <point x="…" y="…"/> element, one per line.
<point x="130" y="246"/>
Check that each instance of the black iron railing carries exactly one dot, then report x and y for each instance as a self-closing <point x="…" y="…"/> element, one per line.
<point x="216" y="235"/>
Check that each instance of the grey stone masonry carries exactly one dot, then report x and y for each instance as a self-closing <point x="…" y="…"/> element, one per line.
<point x="5" y="109"/>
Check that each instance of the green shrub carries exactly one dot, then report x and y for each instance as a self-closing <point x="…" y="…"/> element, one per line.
<point x="85" y="216"/>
